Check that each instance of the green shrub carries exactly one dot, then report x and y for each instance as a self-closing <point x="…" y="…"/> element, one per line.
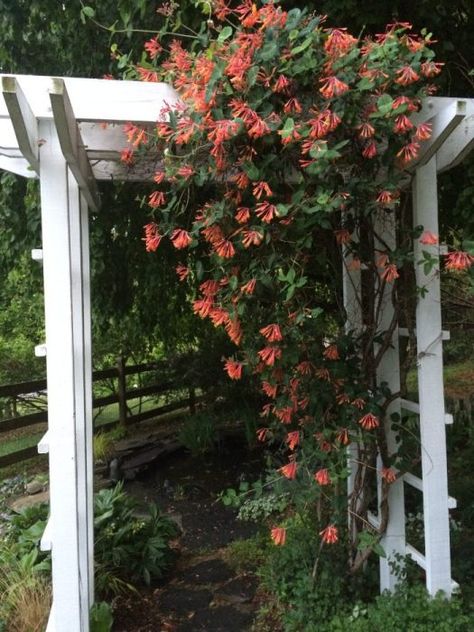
<point x="128" y="549"/>
<point x="329" y="600"/>
<point x="199" y="433"/>
<point x="410" y="610"/>
<point x="288" y="574"/>
<point x="101" y="619"/>
<point x="103" y="446"/>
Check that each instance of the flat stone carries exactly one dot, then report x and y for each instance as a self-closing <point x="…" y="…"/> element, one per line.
<point x="207" y="572"/>
<point x="221" y="619"/>
<point x="183" y="601"/>
<point x="28" y="501"/>
<point x="34" y="487"/>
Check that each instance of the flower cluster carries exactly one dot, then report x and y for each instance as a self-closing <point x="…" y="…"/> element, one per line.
<point x="289" y="145"/>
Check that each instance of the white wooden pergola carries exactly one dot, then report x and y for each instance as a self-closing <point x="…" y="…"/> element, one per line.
<point x="68" y="133"/>
<point x="54" y="129"/>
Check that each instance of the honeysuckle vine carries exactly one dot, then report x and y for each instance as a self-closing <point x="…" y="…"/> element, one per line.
<point x="286" y="155"/>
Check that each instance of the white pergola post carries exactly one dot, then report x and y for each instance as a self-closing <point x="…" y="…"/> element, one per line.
<point x="67" y="311"/>
<point x="393" y="540"/>
<point x="352" y="299"/>
<point x="429" y="336"/>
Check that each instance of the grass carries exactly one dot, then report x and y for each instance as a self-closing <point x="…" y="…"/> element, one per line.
<point x="458" y="380"/>
<point x="26" y="594"/>
<point x="20" y="439"/>
<point x="19" y="443"/>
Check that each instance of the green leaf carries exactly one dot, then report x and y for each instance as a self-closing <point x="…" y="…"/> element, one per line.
<point x="365" y="84"/>
<point x="384" y="104"/>
<point x="282" y="210"/>
<point x="251" y="170"/>
<point x="89" y="12"/>
<point x="199" y="270"/>
<point x="224" y="34"/>
<point x="299" y="49"/>
<point x="288" y="128"/>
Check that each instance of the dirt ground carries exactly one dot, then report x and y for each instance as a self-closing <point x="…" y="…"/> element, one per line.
<point x="201" y="592"/>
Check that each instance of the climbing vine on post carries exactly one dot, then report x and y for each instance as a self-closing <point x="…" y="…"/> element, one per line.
<point x="286" y="155"/>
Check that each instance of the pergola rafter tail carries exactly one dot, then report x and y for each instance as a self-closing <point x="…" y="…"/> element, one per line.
<point x="69" y="133"/>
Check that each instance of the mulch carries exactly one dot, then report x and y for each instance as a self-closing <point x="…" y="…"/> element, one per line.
<point x="201" y="592"/>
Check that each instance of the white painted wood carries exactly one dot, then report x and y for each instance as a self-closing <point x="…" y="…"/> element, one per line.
<point x="67" y="416"/>
<point x="43" y="444"/>
<point x="452" y="502"/>
<point x="23" y="120"/>
<point x="8" y="140"/>
<point x="431" y="392"/>
<point x="448" y="419"/>
<point x="46" y="542"/>
<point x="388" y="371"/>
<point x="71" y="142"/>
<point x="430" y="107"/>
<point x="351" y="287"/>
<point x="374" y="520"/>
<point x="40" y="351"/>
<point x="50" y="626"/>
<point x="403" y="332"/>
<point x="16" y="165"/>
<point x="413" y="407"/>
<point x="459" y="144"/>
<point x="88" y="430"/>
<point x="414" y="481"/>
<point x="99" y="99"/>
<point x="416" y="556"/>
<point x="443" y="124"/>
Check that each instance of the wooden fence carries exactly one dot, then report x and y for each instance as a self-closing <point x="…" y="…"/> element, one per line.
<point x="173" y="383"/>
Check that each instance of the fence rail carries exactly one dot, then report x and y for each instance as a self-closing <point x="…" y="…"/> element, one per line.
<point x="121" y="396"/>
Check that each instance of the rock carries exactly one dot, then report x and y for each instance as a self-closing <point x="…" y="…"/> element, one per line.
<point x="177" y="518"/>
<point x="115" y="472"/>
<point x="34" y="487"/>
<point x="28" y="501"/>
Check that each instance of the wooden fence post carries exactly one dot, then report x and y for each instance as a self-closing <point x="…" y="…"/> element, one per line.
<point x="121" y="390"/>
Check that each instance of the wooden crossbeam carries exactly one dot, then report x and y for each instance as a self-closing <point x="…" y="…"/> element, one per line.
<point x="443" y="123"/>
<point x="23" y="121"/>
<point x="459" y="144"/>
<point x="71" y="143"/>
<point x="404" y="333"/>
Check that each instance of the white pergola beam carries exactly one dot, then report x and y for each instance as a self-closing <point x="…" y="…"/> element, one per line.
<point x="71" y="142"/>
<point x="443" y="123"/>
<point x="459" y="144"/>
<point x="23" y="120"/>
<point x="99" y="100"/>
